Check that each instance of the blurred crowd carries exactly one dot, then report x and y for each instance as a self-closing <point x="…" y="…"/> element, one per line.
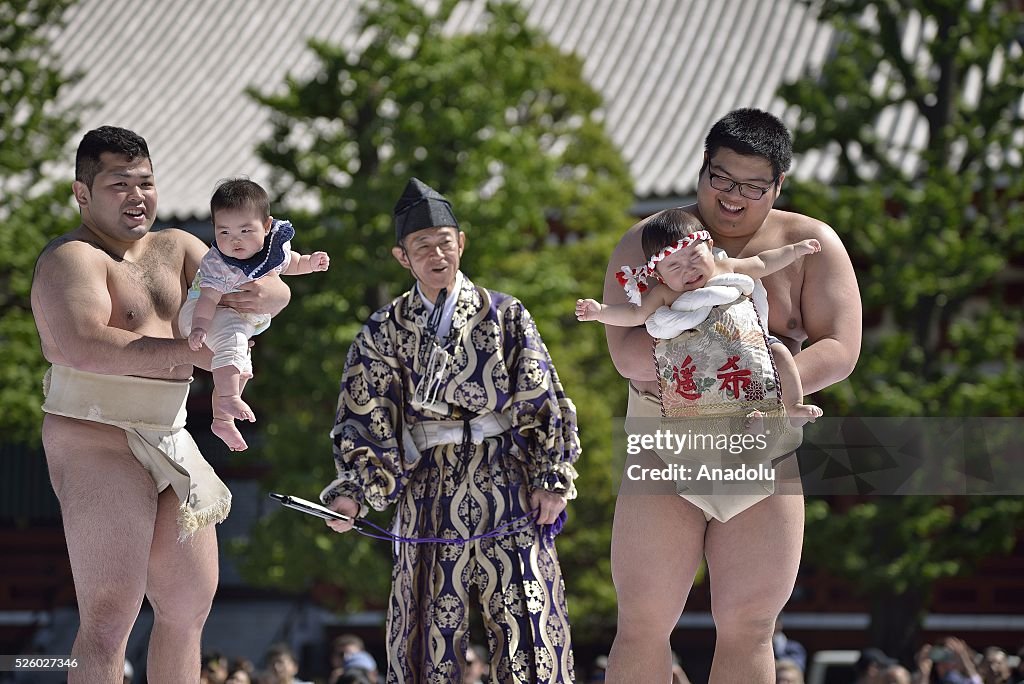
<point x="350" y="663"/>
<point x="949" y="661"/>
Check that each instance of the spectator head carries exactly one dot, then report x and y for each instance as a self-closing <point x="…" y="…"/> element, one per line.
<point x="360" y="660"/>
<point x="943" y="661"/>
<point x="475" y="665"/>
<point x="994" y="668"/>
<point x="215" y="668"/>
<point x="281" y="664"/>
<point x="895" y="674"/>
<point x="354" y="677"/>
<point x="871" y="663"/>
<point x="241" y="671"/>
<point x="239" y="676"/>
<point x="788" y="672"/>
<point x="342" y="646"/>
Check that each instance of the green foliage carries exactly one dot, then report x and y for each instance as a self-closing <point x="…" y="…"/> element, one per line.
<point x="931" y="538"/>
<point x="933" y="228"/>
<point x="33" y="210"/>
<point x="505" y="126"/>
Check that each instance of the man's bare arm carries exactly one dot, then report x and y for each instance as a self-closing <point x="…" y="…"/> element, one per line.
<point x="831" y="311"/>
<point x="72" y="307"/>
<point x="630" y="348"/>
<point x="266" y="295"/>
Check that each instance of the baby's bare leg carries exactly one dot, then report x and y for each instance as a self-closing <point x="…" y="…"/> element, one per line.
<point x="228" y="405"/>
<point x="227" y="392"/>
<point x="792" y="389"/>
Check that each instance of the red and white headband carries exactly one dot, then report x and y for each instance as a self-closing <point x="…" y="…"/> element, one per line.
<point x="634" y="280"/>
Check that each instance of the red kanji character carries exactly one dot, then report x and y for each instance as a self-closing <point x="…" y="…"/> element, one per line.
<point x="734" y="380"/>
<point x="685" y="384"/>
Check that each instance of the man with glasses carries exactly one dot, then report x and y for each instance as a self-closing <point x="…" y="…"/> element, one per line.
<point x="659" y="538"/>
<point x="451" y="409"/>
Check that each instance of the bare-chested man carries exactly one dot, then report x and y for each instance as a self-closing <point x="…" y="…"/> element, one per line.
<point x="131" y="484"/>
<point x="658" y="540"/>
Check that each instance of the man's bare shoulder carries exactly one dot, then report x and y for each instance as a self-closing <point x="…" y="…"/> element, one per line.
<point x="793" y="227"/>
<point x="184" y="243"/>
<point x="175" y="234"/>
<point x="70" y="263"/>
<point x="70" y="248"/>
<point x="630" y="240"/>
<point x="180" y="239"/>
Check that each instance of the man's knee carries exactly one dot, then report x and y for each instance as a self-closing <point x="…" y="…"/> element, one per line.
<point x="107" y="619"/>
<point x="186" y="608"/>
<point x="751" y="623"/>
<point x="648" y="619"/>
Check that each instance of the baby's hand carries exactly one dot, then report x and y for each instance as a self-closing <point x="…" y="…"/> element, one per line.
<point x="810" y="246"/>
<point x="319" y="261"/>
<point x="587" y="309"/>
<point x="196" y="339"/>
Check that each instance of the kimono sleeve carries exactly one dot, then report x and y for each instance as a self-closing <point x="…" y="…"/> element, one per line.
<point x="366" y="435"/>
<point x="543" y="418"/>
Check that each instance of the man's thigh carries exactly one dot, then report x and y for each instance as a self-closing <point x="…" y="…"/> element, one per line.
<point x="182" y="574"/>
<point x="108" y="503"/>
<point x="657" y="546"/>
<point x="753" y="559"/>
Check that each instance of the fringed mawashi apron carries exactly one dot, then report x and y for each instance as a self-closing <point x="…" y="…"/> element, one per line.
<point x="152" y="413"/>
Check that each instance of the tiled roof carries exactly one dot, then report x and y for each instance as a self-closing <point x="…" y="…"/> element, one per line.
<point x="176" y="72"/>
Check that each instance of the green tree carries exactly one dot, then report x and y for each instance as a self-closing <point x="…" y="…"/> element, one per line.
<point x="507" y="128"/>
<point x="933" y="224"/>
<point x="33" y="208"/>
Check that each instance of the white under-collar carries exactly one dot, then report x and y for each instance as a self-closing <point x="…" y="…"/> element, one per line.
<point x="449" y="305"/>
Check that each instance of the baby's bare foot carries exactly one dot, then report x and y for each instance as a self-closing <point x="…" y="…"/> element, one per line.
<point x="800" y="414"/>
<point x="754" y="423"/>
<point x="232" y="405"/>
<point x="228" y="433"/>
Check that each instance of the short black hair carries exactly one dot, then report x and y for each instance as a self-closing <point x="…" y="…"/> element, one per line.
<point x="239" y="193"/>
<point x="752" y="132"/>
<point x="106" y="139"/>
<point x="278" y="650"/>
<point x="667" y="228"/>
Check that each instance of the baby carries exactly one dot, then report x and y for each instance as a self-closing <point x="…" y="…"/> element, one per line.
<point x="679" y="255"/>
<point x="249" y="244"/>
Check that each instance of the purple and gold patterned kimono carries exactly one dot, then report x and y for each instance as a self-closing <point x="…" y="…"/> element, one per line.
<point x="456" y="467"/>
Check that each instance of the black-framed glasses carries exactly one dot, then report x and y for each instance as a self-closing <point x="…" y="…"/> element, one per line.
<point x="748" y="190"/>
